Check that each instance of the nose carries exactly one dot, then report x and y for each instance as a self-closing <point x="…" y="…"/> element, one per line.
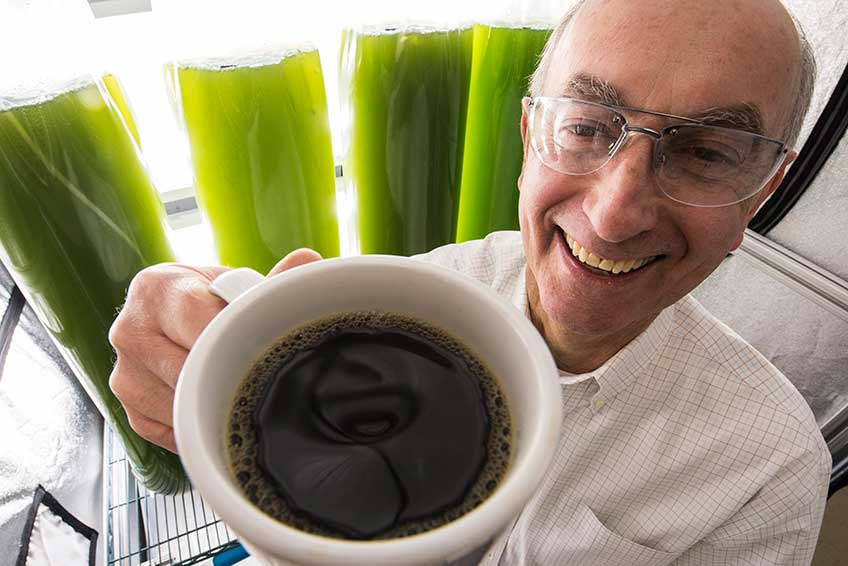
<point x="624" y="201"/>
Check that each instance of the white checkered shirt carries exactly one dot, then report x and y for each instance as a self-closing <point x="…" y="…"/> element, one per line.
<point x="687" y="447"/>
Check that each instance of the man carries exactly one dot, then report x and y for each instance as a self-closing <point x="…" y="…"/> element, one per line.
<point x="680" y="443"/>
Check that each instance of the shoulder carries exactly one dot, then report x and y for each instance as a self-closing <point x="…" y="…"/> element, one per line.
<point x="498" y="255"/>
<point x="750" y="390"/>
<point x="768" y="441"/>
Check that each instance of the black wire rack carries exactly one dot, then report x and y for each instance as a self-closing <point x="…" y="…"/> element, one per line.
<point x="143" y="528"/>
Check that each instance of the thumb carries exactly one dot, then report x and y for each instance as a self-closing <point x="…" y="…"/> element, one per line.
<point x="298" y="257"/>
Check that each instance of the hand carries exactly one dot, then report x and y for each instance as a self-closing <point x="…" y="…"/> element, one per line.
<point x="167" y="307"/>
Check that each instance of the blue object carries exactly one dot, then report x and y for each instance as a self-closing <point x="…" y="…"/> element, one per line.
<point x="231" y="556"/>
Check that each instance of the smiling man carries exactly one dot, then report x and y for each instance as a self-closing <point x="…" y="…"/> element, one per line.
<point x="655" y="200"/>
<point x="654" y="131"/>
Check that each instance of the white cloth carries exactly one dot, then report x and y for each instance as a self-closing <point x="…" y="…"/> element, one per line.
<point x="59" y="539"/>
<point x="686" y="447"/>
<point x="50" y="434"/>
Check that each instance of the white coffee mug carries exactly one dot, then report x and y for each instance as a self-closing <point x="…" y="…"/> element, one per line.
<point x="262" y="310"/>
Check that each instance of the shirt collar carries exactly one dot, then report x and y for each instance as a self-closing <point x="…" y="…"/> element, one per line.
<point x="519" y="292"/>
<point x="621" y="370"/>
<point x="618" y="372"/>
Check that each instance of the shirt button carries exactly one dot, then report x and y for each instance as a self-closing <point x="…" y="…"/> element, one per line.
<point x="598" y="404"/>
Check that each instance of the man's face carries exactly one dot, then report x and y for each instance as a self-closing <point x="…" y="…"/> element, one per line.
<point x="667" y="56"/>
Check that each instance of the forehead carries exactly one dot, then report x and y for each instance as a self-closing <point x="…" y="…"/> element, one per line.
<point x="675" y="58"/>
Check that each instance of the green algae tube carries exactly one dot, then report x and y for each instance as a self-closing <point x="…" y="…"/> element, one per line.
<point x="405" y="95"/>
<point x="504" y="59"/>
<point x="78" y="219"/>
<point x="262" y="155"/>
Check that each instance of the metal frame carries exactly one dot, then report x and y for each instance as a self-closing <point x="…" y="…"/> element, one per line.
<point x="824" y="288"/>
<point x="657" y="136"/>
<point x="838" y="446"/>
<point x="142" y="528"/>
<point x="106" y="8"/>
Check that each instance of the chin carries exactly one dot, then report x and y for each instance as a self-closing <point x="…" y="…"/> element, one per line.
<point x="576" y="317"/>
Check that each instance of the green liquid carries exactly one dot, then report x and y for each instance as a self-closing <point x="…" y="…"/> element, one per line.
<point x="262" y="158"/>
<point x="78" y="219"/>
<point x="407" y="95"/>
<point x="113" y="86"/>
<point x="504" y="59"/>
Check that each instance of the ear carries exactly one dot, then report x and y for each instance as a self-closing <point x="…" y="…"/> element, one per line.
<point x="525" y="106"/>
<point x="764" y="194"/>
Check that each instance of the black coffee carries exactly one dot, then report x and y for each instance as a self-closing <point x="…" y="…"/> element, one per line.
<point x="368" y="425"/>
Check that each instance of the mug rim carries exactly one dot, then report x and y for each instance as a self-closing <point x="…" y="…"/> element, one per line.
<point x="453" y="538"/>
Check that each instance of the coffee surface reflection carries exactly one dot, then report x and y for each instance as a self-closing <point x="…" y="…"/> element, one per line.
<point x="368" y="425"/>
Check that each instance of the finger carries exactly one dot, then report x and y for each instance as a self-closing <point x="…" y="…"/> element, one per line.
<point x="142" y="392"/>
<point x="187" y="309"/>
<point x="166" y="299"/>
<point x="296" y="258"/>
<point x="208" y="272"/>
<point x="155" y="432"/>
<point x="163" y="358"/>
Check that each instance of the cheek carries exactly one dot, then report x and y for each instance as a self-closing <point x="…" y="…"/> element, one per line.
<point x="709" y="241"/>
<point x="528" y="202"/>
<point x="542" y="189"/>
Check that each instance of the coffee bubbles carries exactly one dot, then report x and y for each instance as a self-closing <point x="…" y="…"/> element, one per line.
<point x="368" y="425"/>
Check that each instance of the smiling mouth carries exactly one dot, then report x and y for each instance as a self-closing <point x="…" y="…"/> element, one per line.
<point x="602" y="265"/>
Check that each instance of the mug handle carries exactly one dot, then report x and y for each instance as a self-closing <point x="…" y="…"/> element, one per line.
<point x="234" y="283"/>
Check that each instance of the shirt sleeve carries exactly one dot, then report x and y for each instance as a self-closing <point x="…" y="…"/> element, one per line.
<point x="780" y="524"/>
<point x="479" y="259"/>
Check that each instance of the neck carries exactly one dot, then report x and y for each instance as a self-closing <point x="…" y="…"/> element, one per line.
<point x="575" y="352"/>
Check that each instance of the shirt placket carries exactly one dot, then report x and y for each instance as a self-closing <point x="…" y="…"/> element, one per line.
<point x="576" y="397"/>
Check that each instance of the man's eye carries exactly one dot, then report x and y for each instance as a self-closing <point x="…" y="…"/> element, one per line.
<point x="582" y="130"/>
<point x="712" y="156"/>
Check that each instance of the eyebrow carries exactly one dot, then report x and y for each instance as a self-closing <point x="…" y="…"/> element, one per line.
<point x="591" y="88"/>
<point x="743" y="116"/>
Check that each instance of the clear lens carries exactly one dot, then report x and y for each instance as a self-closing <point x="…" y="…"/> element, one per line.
<point x="695" y="164"/>
<point x="573" y="137"/>
<point x="711" y="166"/>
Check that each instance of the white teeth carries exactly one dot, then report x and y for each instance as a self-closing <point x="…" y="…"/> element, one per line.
<point x="614" y="266"/>
<point x="619" y="265"/>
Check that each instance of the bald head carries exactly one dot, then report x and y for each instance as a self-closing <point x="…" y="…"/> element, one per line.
<point x="685" y="56"/>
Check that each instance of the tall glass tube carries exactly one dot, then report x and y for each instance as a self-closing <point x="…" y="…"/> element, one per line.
<point x="504" y="58"/>
<point x="405" y="96"/>
<point x="79" y="218"/>
<point x="262" y="156"/>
